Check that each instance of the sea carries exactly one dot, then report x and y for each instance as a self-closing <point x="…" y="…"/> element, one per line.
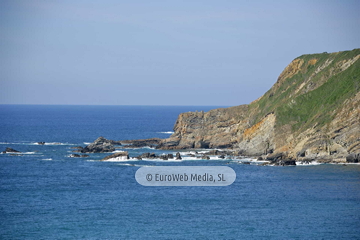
<point x="46" y="194"/>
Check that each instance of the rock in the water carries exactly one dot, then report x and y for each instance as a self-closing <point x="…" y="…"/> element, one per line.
<point x="117" y="156"/>
<point x="151" y="142"/>
<point x="148" y="156"/>
<point x="10" y="150"/>
<point x="178" y="156"/>
<point x="100" y="145"/>
<point x="288" y="162"/>
<point x="41" y="143"/>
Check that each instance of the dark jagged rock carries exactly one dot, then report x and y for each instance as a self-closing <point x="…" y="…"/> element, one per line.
<point x="100" y="145"/>
<point x="151" y="142"/>
<point x="302" y="153"/>
<point x="41" y="143"/>
<point x="10" y="150"/>
<point x="178" y="156"/>
<point x="117" y="156"/>
<point x="305" y="161"/>
<point x="287" y="162"/>
<point x="148" y="156"/>
<point x="170" y="156"/>
<point x="275" y="157"/>
<point x="74" y="156"/>
<point x="353" y="158"/>
<point x="164" y="157"/>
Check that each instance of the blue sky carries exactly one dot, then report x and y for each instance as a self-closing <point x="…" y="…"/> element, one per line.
<point x="220" y="53"/>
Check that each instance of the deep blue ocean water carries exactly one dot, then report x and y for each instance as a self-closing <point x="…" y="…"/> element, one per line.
<point x="44" y="194"/>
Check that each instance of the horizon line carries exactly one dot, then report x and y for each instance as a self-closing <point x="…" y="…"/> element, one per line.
<point x="130" y="105"/>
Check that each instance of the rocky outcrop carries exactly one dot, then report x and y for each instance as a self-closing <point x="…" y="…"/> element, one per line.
<point x="311" y="112"/>
<point x="100" y="145"/>
<point x="217" y="128"/>
<point x="151" y="142"/>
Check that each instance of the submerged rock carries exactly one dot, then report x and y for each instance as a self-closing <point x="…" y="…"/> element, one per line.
<point x="78" y="156"/>
<point x="10" y="150"/>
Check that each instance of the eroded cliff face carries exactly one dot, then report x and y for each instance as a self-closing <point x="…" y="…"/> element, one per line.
<point x="312" y="111"/>
<point x="218" y="128"/>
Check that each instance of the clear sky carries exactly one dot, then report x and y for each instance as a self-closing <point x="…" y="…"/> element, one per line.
<point x="222" y="52"/>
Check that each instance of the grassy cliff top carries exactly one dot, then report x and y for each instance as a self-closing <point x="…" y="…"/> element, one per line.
<point x="311" y="89"/>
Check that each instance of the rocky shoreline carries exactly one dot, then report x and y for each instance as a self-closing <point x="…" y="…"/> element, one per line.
<point x="103" y="145"/>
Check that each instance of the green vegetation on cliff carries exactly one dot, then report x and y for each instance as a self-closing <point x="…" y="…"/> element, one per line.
<point x="310" y="89"/>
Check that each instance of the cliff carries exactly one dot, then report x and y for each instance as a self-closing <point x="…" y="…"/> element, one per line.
<point x="312" y="111"/>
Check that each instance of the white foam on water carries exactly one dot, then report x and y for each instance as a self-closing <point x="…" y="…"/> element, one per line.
<point x="169" y="132"/>
<point x="149" y="148"/>
<point x="52" y="144"/>
<point x="183" y="158"/>
<point x="47" y="159"/>
<point x="160" y="160"/>
<point x="312" y="163"/>
<point x="133" y="165"/>
<point x="136" y="148"/>
<point x="21" y="153"/>
<point x="117" y="159"/>
<point x="87" y="143"/>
